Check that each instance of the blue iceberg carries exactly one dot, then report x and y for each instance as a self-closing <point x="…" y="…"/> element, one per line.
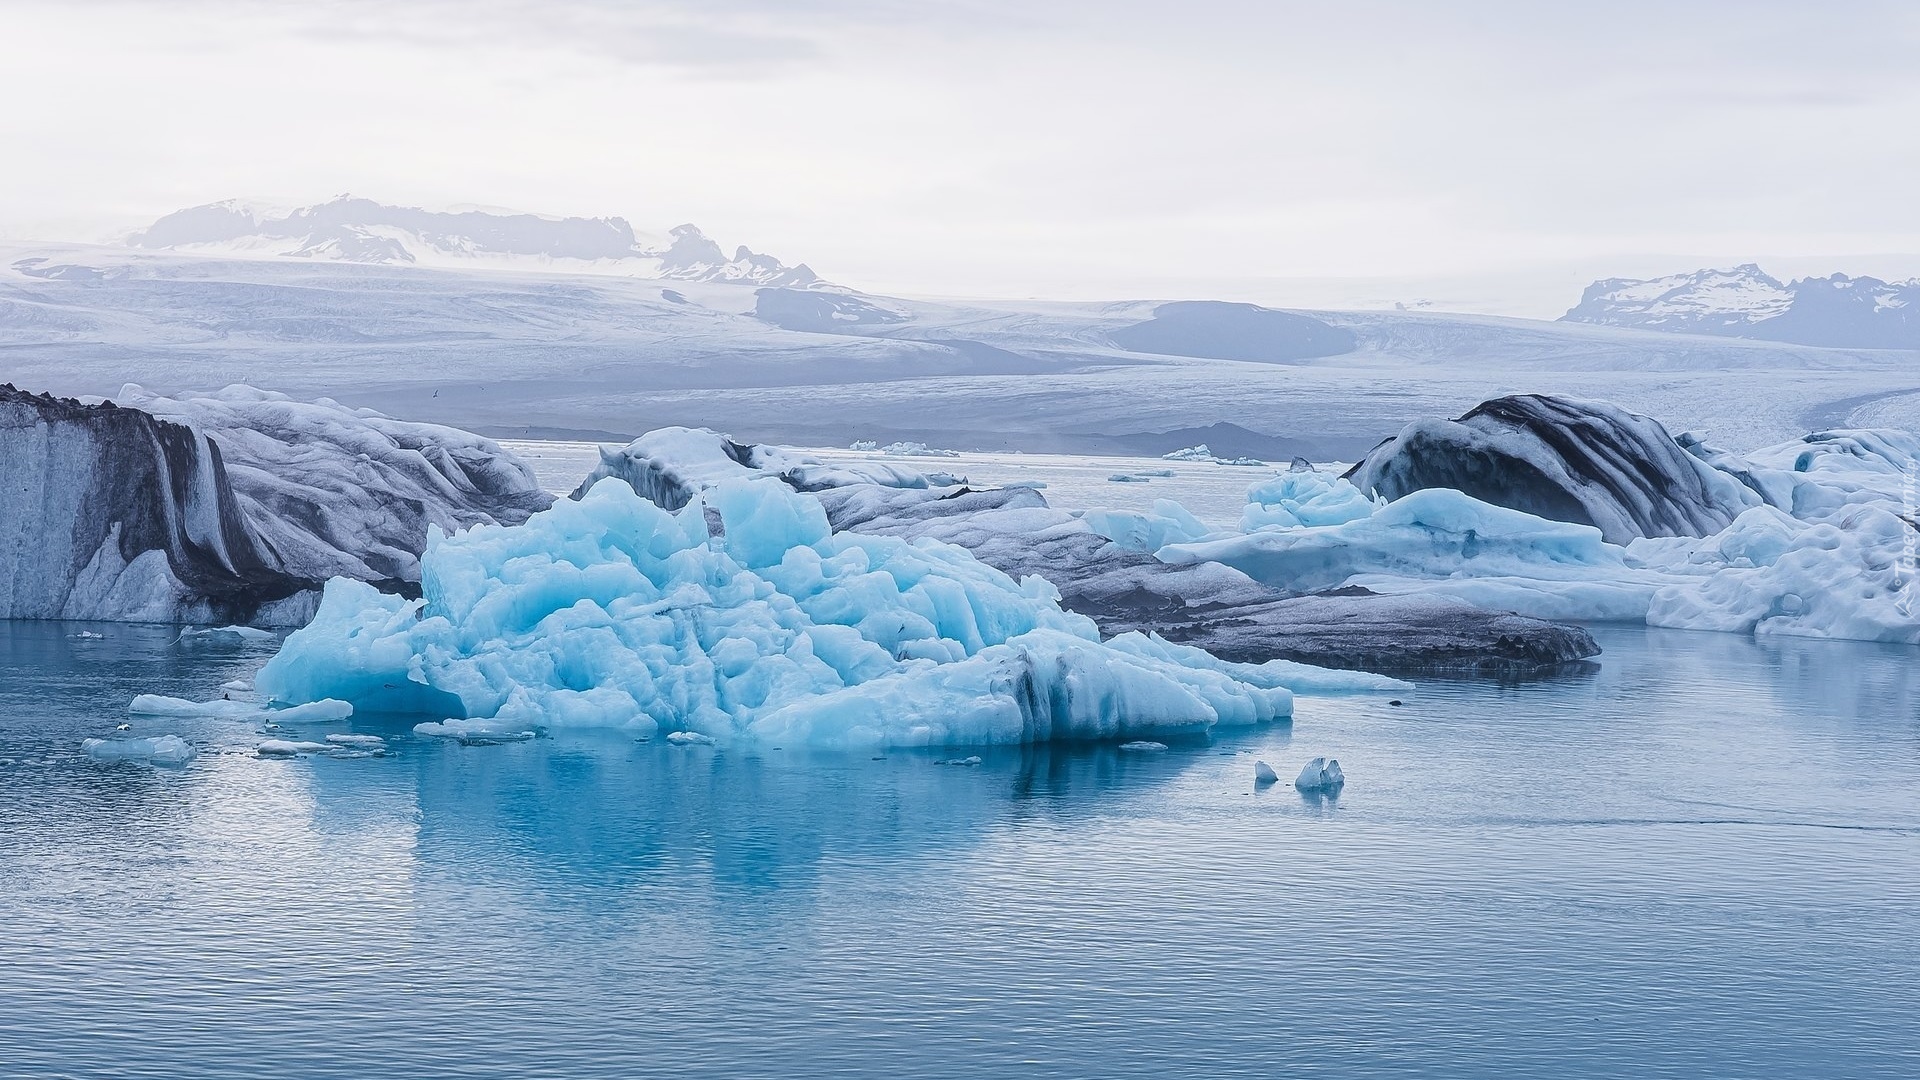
<point x="743" y="617"/>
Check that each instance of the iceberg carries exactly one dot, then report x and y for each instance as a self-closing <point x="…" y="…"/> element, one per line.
<point x="227" y="508"/>
<point x="1590" y="463"/>
<point x="1263" y="773"/>
<point x="743" y="617"/>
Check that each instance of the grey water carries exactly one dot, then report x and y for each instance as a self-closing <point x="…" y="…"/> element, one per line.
<point x="1699" y="860"/>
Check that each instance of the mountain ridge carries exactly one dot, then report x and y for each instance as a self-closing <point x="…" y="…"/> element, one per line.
<point x="1745" y="301"/>
<point x="358" y="230"/>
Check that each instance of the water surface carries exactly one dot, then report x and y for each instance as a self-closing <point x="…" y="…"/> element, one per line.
<point x="1698" y="861"/>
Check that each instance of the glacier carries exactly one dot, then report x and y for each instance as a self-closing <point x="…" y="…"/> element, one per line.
<point x="743" y="617"/>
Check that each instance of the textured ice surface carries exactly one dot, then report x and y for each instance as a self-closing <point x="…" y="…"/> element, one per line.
<point x="613" y="612"/>
<point x="1320" y="774"/>
<point x="1825" y="550"/>
<point x="316" y="711"/>
<point x="159" y="749"/>
<point x="1263" y="773"/>
<point x="669" y="465"/>
<point x="1587" y="462"/>
<point x="1303" y="497"/>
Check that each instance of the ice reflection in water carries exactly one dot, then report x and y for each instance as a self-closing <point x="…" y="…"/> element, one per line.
<point x="1697" y="860"/>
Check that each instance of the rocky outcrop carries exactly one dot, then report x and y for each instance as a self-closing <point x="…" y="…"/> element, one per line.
<point x="1589" y="463"/>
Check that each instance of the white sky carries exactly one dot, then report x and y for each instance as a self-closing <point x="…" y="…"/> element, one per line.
<point x="1083" y="148"/>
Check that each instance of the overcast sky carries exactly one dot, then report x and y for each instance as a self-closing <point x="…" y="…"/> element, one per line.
<point x="1011" y="147"/>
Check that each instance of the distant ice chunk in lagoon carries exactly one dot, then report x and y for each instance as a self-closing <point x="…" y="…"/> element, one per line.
<point x="613" y="612"/>
<point x="689" y="738"/>
<point x="1143" y="746"/>
<point x="1263" y="773"/>
<point x="159" y="750"/>
<point x="225" y="635"/>
<point x="668" y="466"/>
<point x="1321" y="774"/>
<point x="1191" y="453"/>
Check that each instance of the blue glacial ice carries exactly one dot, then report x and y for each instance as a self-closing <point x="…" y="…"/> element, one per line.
<point x="763" y="626"/>
<point x="1829" y="553"/>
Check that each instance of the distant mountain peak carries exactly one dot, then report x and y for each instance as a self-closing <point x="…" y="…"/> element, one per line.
<point x="349" y="228"/>
<point x="1745" y="301"/>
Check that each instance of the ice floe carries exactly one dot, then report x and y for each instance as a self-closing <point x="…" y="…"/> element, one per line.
<point x="158" y="749"/>
<point x="610" y="611"/>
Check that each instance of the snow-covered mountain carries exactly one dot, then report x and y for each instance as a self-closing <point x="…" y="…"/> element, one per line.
<point x="350" y="229"/>
<point x="1746" y="301"/>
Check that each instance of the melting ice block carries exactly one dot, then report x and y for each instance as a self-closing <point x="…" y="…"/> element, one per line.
<point x="160" y="750"/>
<point x="1321" y="774"/>
<point x="612" y="612"/>
<point x="1263" y="773"/>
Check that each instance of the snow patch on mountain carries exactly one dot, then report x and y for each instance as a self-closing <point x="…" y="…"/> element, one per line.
<point x="349" y="229"/>
<point x="1745" y="301"/>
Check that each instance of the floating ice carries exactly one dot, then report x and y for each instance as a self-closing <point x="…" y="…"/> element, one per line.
<point x="1169" y="523"/>
<point x="1303" y="497"/>
<point x="689" y="738"/>
<point x="241" y="686"/>
<point x="159" y="750"/>
<point x="1320" y="774"/>
<point x="310" y="712"/>
<point x="1191" y="453"/>
<point x="86" y="635"/>
<point x="224" y="635"/>
<point x="668" y="466"/>
<point x="288" y="748"/>
<point x="612" y="612"/>
<point x="359" y="742"/>
<point x="1241" y="462"/>
<point x="1263" y="773"/>
<point x="967" y="761"/>
<point x="1126" y="478"/>
<point x="1142" y="746"/>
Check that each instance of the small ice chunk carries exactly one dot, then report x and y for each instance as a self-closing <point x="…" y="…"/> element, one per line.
<point x="689" y="738"/>
<point x="363" y="742"/>
<point x="289" y="748"/>
<point x="1126" y="478"/>
<point x="239" y="685"/>
<point x="86" y="635"/>
<point x="485" y="732"/>
<point x="1321" y="774"/>
<point x="1143" y="746"/>
<point x="160" y="705"/>
<point x="974" y="760"/>
<point x="1244" y="462"/>
<point x="1191" y="453"/>
<point x="225" y="635"/>
<point x="1263" y="773"/>
<point x="314" y="712"/>
<point x="159" y="750"/>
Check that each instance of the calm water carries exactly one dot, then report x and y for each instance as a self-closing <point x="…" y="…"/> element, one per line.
<point x="1700" y="861"/>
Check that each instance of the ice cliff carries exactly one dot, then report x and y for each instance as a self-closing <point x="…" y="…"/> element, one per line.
<point x="231" y="507"/>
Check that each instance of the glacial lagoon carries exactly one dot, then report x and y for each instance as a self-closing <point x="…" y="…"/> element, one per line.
<point x="1695" y="859"/>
